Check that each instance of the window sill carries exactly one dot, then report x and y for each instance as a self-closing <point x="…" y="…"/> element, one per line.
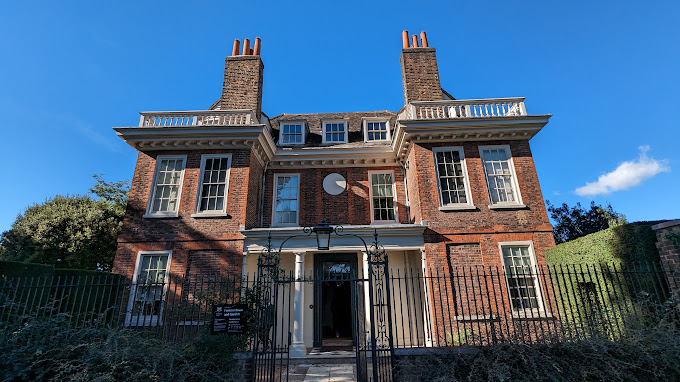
<point x="153" y="216"/>
<point x="458" y="208"/>
<point x="535" y="315"/>
<point x="384" y="222"/>
<point x="507" y="206"/>
<point x="486" y="317"/>
<point x="206" y="215"/>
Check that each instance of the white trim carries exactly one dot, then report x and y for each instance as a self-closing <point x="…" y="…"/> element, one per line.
<point x="201" y="174"/>
<point x="304" y="133"/>
<point x="142" y="320"/>
<point x="524" y="312"/>
<point x="323" y="131"/>
<point x="468" y="205"/>
<point x="364" y="123"/>
<point x="152" y="193"/>
<point x="297" y="213"/>
<point x="513" y="175"/>
<point x="394" y="196"/>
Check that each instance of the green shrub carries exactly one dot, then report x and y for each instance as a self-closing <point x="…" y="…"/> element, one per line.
<point x="647" y="353"/>
<point x="621" y="245"/>
<point x="52" y="350"/>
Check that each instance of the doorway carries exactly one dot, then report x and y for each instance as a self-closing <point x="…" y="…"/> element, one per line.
<point x="334" y="292"/>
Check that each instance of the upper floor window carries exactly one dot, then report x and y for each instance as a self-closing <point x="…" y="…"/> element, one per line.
<point x="334" y="132"/>
<point x="500" y="176"/>
<point x="521" y="276"/>
<point x="376" y="130"/>
<point x="452" y="178"/>
<point x="292" y="133"/>
<point x="214" y="184"/>
<point x="149" y="284"/>
<point x="286" y="199"/>
<point x="167" y="186"/>
<point x="383" y="193"/>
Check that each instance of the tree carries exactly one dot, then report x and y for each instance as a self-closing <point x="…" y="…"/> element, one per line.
<point x="70" y="231"/>
<point x="575" y="222"/>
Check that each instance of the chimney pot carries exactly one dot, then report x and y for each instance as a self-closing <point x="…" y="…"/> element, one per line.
<point x="234" y="52"/>
<point x="257" y="46"/>
<point x="414" y="39"/>
<point x="246" y="47"/>
<point x="404" y="39"/>
<point x="423" y="39"/>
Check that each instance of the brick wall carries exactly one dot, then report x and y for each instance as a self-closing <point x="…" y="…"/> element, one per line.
<point x="352" y="206"/>
<point x="420" y="75"/>
<point x="532" y="218"/>
<point x="668" y="244"/>
<point x="143" y="234"/>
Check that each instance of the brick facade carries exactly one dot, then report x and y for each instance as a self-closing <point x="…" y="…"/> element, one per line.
<point x="203" y="245"/>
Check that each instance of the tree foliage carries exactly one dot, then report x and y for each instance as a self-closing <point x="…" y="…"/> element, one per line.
<point x="70" y="231"/>
<point x="575" y="222"/>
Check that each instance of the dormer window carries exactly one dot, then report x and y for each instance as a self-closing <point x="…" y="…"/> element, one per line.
<point x="334" y="132"/>
<point x="376" y="130"/>
<point x="292" y="133"/>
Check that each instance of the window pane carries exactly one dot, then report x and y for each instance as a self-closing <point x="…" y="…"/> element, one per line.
<point x="214" y="184"/>
<point x="286" y="207"/>
<point x="451" y="177"/>
<point x="382" y="198"/>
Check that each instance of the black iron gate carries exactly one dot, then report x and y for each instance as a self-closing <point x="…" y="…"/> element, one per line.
<point x="270" y="353"/>
<point x="371" y="315"/>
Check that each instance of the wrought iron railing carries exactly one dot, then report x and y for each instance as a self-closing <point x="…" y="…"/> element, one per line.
<point x="438" y="307"/>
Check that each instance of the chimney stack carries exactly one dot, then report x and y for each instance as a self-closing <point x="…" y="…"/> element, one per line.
<point x="242" y="88"/>
<point x="419" y="72"/>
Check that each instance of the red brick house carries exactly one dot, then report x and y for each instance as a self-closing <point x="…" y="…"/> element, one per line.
<point x="446" y="182"/>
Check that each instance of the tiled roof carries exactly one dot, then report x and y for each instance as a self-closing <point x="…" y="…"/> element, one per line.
<point x="313" y="124"/>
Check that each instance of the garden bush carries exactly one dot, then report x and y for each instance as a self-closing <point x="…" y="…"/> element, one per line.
<point x="649" y="351"/>
<point x="52" y="350"/>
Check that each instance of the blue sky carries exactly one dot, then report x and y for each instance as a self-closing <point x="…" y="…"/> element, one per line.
<point x="607" y="71"/>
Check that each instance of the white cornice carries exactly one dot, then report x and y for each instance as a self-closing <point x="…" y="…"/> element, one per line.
<point x="464" y="129"/>
<point x="335" y="157"/>
<point x="392" y="237"/>
<point x="256" y="137"/>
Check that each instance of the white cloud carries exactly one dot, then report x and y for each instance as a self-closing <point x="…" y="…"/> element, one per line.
<point x="628" y="174"/>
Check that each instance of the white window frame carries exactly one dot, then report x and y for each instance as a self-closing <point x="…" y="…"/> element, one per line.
<point x="323" y="131"/>
<point x="513" y="175"/>
<point x="387" y="126"/>
<point x="394" y="196"/>
<point x="147" y="320"/>
<point x="524" y="312"/>
<point x="297" y="213"/>
<point x="204" y="159"/>
<point x="304" y="133"/>
<point x="152" y="193"/>
<point x="469" y="205"/>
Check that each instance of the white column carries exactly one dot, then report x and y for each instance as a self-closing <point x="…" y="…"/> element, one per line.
<point x="367" y="300"/>
<point x="297" y="348"/>
<point x="426" y="304"/>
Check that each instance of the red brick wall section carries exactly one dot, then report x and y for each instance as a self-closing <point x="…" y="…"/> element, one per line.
<point x="420" y="75"/>
<point x="352" y="206"/>
<point x="242" y="87"/>
<point x="254" y="193"/>
<point x="141" y="234"/>
<point x="413" y="189"/>
<point x="668" y="244"/>
<point x="532" y="218"/>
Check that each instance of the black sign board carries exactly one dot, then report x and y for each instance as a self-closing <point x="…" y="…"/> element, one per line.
<point x="230" y="319"/>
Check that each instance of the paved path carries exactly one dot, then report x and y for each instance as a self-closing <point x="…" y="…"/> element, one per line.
<point x="330" y="373"/>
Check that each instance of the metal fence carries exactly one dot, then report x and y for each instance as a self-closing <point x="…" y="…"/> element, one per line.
<point x="430" y="307"/>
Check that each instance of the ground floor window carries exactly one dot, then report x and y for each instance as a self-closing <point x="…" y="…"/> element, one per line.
<point x="148" y="289"/>
<point x="521" y="275"/>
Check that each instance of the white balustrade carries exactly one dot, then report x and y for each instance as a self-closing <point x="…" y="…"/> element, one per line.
<point x="474" y="108"/>
<point x="195" y="118"/>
